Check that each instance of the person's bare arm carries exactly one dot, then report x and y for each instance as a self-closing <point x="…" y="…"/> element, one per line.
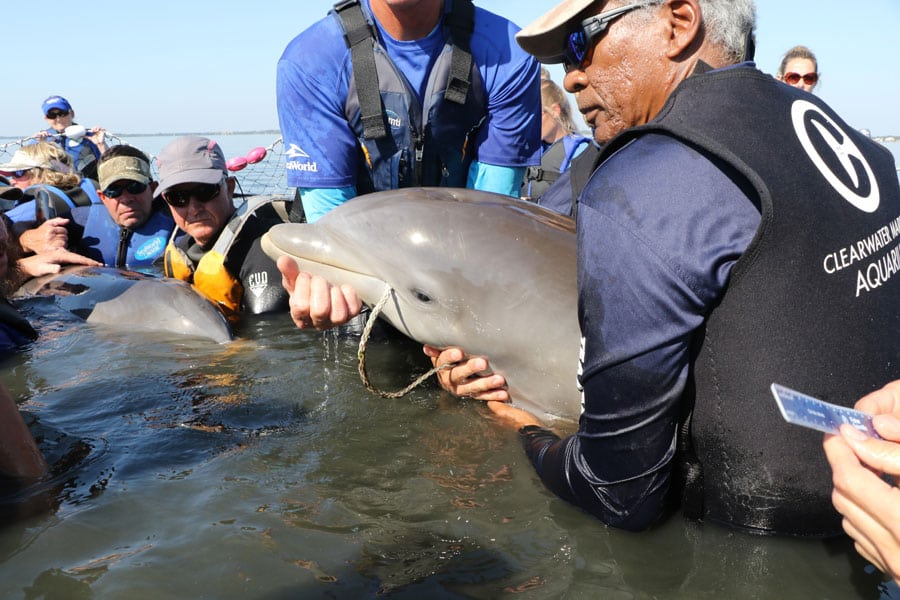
<point x="49" y="263"/>
<point x="19" y="454"/>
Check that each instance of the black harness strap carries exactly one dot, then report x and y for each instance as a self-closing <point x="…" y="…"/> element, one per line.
<point x="583" y="166"/>
<point x="360" y="38"/>
<point x="460" y="24"/>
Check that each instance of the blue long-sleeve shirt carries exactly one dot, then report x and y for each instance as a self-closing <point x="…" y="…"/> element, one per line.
<point x="659" y="228"/>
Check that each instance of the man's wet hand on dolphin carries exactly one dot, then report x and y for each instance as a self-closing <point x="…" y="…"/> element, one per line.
<point x="52" y="262"/>
<point x="473" y="378"/>
<point x="314" y="301"/>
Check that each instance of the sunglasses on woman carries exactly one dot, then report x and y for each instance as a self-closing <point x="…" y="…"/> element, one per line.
<point x="132" y="187"/>
<point x="580" y="41"/>
<point x="794" y="78"/>
<point x="201" y="192"/>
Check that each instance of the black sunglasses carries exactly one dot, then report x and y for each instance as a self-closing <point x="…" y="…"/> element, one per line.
<point x="55" y="114"/>
<point x="132" y="187"/>
<point x="202" y="192"/>
<point x="19" y="174"/>
<point x="580" y="41"/>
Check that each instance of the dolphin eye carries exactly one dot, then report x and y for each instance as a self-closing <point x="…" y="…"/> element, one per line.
<point x="421" y="296"/>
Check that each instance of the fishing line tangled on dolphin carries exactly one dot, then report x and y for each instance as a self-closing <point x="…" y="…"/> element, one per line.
<point x="491" y="274"/>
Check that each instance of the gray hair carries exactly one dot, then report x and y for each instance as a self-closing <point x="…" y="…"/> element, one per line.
<point x="727" y="24"/>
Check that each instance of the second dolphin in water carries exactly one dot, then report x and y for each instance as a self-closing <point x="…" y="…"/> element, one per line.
<point x="107" y="296"/>
<point x="493" y="275"/>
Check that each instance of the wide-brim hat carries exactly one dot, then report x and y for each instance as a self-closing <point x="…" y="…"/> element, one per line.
<point x="21" y="161"/>
<point x="190" y="159"/>
<point x="545" y="37"/>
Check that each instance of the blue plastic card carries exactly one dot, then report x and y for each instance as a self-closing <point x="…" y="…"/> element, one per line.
<point x="800" y="409"/>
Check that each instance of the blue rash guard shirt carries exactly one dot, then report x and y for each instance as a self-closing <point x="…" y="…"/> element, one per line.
<point x="312" y="87"/>
<point x="675" y="212"/>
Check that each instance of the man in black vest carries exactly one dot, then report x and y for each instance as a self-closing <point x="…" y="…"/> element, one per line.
<point x="736" y="233"/>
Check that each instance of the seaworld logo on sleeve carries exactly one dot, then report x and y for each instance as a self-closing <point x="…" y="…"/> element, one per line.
<point x="295" y="152"/>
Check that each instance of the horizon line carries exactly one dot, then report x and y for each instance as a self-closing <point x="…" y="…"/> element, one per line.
<point x="205" y="133"/>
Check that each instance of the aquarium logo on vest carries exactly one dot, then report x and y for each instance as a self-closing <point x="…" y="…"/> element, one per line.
<point x="151" y="248"/>
<point x="819" y="134"/>
<point x="296" y="152"/>
<point x="393" y="119"/>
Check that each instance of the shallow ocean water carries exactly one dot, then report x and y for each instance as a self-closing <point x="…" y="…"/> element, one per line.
<point x="264" y="469"/>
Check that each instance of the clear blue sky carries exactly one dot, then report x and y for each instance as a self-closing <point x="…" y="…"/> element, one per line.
<point x="170" y="66"/>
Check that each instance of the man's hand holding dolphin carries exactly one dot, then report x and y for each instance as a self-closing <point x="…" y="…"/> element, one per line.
<point x="314" y="301"/>
<point x="472" y="378"/>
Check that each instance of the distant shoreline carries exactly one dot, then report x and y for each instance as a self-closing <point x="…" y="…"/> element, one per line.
<point x="175" y="134"/>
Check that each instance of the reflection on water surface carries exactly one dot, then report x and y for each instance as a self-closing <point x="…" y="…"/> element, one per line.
<point x="263" y="469"/>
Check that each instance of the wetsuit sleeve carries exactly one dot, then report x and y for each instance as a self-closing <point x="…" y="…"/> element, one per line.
<point x="659" y="229"/>
<point x="491" y="178"/>
<point x="318" y="201"/>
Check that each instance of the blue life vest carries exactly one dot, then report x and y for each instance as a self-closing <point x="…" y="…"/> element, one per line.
<point x="83" y="151"/>
<point x="61" y="201"/>
<point x="404" y="144"/>
<point x="115" y="246"/>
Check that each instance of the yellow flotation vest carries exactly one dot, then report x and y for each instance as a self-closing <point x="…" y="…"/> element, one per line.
<point x="209" y="276"/>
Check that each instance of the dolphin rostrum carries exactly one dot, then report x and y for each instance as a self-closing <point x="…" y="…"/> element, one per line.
<point x="108" y="296"/>
<point x="485" y="272"/>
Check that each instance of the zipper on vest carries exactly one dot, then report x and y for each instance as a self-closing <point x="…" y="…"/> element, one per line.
<point x="419" y="154"/>
<point x="122" y="250"/>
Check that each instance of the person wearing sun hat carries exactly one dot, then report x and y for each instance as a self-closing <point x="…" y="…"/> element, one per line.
<point x="21" y="164"/>
<point x="84" y="150"/>
<point x="51" y="188"/>
<point x="727" y="238"/>
<point x="220" y="253"/>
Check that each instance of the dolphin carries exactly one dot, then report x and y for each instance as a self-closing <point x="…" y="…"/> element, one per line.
<point x="109" y="296"/>
<point x="491" y="274"/>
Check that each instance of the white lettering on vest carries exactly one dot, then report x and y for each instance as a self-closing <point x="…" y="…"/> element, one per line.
<point x="258" y="282"/>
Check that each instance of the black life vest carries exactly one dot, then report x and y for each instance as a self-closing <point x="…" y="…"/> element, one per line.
<point x="812" y="304"/>
<point x="555" y="160"/>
